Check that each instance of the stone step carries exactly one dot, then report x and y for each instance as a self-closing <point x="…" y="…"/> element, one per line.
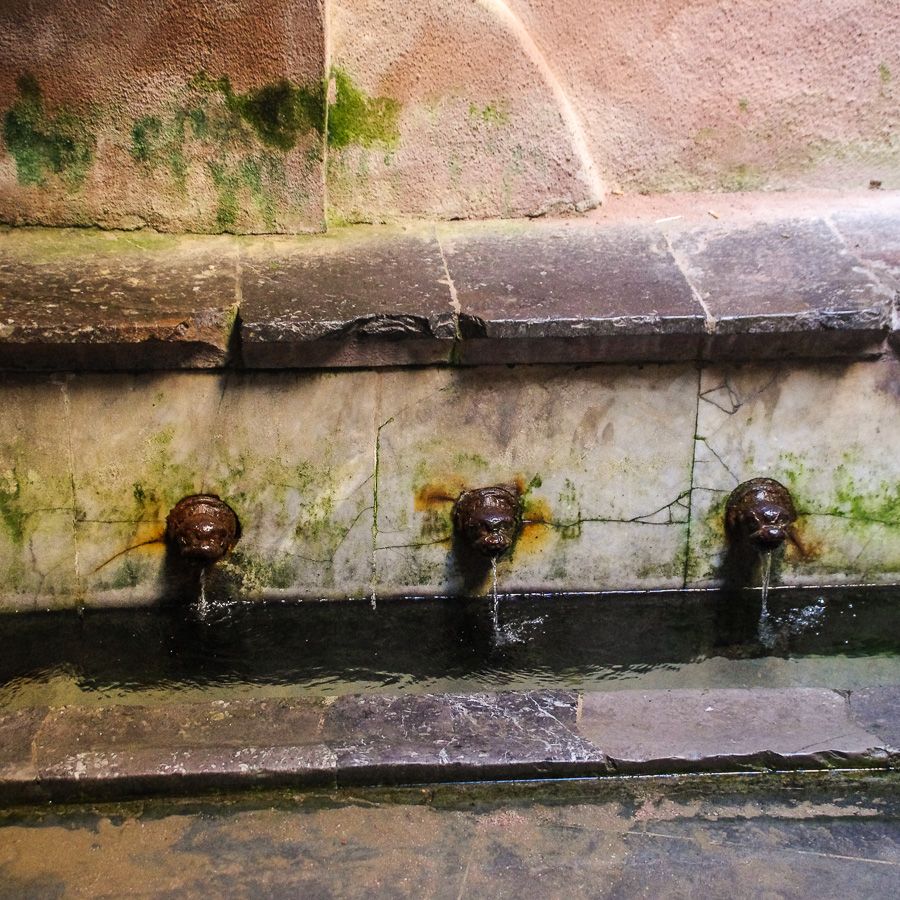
<point x="74" y="753"/>
<point x="684" y="277"/>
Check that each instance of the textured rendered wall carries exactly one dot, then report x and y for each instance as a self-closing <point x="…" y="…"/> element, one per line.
<point x="209" y="116"/>
<point x="182" y="115"/>
<point x="516" y="107"/>
<point x="344" y="482"/>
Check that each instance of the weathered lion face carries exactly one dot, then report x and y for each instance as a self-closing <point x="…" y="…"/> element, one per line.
<point x="202" y="528"/>
<point x="488" y="520"/>
<point x="760" y="511"/>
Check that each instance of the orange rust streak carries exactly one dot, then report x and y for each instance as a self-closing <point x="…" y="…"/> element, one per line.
<point x="434" y="494"/>
<point x="535" y="533"/>
<point x="157" y="542"/>
<point x="804" y="549"/>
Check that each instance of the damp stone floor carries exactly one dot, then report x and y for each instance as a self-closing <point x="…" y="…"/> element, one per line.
<point x="822" y="836"/>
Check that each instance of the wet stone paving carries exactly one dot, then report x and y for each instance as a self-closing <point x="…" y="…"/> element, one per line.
<point x="788" y="836"/>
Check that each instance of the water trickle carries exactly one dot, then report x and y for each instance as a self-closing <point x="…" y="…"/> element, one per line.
<point x="202" y="603"/>
<point x="504" y="635"/>
<point x="766" y="631"/>
<point x="495" y="602"/>
<point x="766" y="577"/>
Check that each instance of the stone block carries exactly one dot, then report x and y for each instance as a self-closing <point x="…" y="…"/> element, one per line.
<point x="37" y="506"/>
<point x="103" y="300"/>
<point x="617" y="290"/>
<point x="783" y="288"/>
<point x="352" y="298"/>
<point x="669" y="731"/>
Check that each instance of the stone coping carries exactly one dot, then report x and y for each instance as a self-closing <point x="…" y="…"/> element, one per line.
<point x="76" y="753"/>
<point x="644" y="279"/>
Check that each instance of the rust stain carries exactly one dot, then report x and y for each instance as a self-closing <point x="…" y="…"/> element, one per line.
<point x="437" y="493"/>
<point x="536" y="530"/>
<point x="148" y="537"/>
<point x="801" y="548"/>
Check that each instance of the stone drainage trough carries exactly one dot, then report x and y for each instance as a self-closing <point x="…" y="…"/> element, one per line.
<point x="621" y="373"/>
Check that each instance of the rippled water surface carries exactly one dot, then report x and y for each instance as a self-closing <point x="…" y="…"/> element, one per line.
<point x="841" y="639"/>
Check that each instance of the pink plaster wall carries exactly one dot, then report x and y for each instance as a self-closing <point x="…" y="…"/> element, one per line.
<point x="481" y="131"/>
<point x="657" y="95"/>
<point x="731" y="94"/>
<point x="112" y="63"/>
<point x="500" y="107"/>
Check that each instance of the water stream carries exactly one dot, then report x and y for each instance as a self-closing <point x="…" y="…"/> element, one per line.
<point x="505" y="635"/>
<point x="202" y="602"/>
<point x="767" y="633"/>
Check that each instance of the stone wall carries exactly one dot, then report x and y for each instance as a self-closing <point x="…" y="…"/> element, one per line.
<point x="282" y="115"/>
<point x="344" y="482"/>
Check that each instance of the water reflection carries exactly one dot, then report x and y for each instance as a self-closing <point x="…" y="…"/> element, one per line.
<point x="845" y="639"/>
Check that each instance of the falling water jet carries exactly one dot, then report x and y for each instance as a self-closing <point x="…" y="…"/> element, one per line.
<point x="202" y="604"/>
<point x="495" y="602"/>
<point x="766" y="631"/>
<point x="766" y="576"/>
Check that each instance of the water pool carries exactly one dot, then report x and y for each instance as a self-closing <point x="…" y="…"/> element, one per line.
<point x="842" y="639"/>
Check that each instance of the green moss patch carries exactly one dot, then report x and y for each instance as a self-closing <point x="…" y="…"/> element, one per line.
<point x="45" y="145"/>
<point x="356" y="118"/>
<point x="239" y="139"/>
<point x="12" y="516"/>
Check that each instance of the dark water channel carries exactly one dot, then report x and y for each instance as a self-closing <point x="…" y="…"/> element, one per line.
<point x="840" y="638"/>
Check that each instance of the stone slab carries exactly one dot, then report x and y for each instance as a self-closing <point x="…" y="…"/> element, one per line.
<point x="140" y="443"/>
<point x="576" y="291"/>
<point x="37" y="504"/>
<point x="670" y="731"/>
<point x="441" y="737"/>
<point x="129" y="749"/>
<point x="298" y="476"/>
<point x="780" y="288"/>
<point x="116" y="751"/>
<point x="572" y="441"/>
<point x="821" y="430"/>
<point x="877" y="709"/>
<point x="17" y="733"/>
<point x="351" y="298"/>
<point x="293" y="453"/>
<point x="105" y="300"/>
<point x="615" y="290"/>
<point x="875" y="238"/>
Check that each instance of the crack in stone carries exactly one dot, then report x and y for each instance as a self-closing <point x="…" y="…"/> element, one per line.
<point x="377" y="463"/>
<point x="634" y="520"/>
<point x="710" y="321"/>
<point x="70" y="453"/>
<point x="690" y="497"/>
<point x="725" y="465"/>
<point x="734" y="397"/>
<point x="865" y="520"/>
